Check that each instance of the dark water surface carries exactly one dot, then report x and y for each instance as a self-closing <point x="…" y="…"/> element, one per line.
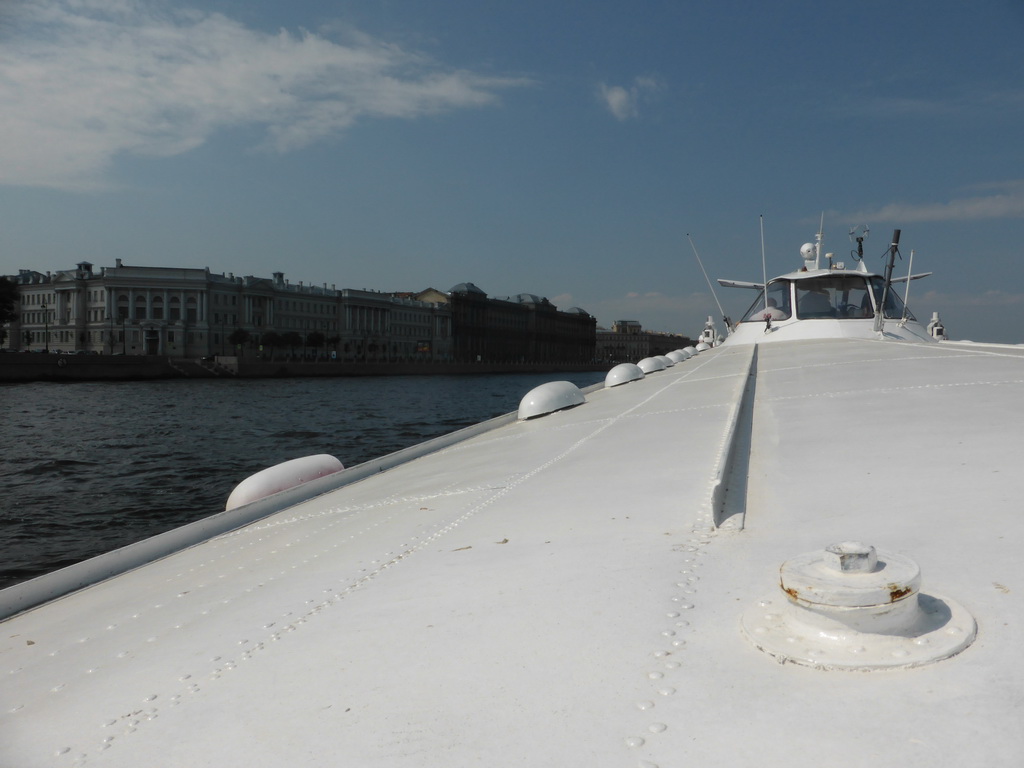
<point x="92" y="466"/>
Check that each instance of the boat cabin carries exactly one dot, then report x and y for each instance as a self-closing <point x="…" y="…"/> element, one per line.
<point x="824" y="299"/>
<point x="825" y="294"/>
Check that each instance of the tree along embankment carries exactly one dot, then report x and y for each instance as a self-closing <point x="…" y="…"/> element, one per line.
<point x="265" y="368"/>
<point x="43" y="367"/>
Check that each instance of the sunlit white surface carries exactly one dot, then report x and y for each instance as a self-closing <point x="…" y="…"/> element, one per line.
<point x="280" y="477"/>
<point x="651" y="365"/>
<point x="550" y="397"/>
<point x="623" y="373"/>
<point x="555" y="592"/>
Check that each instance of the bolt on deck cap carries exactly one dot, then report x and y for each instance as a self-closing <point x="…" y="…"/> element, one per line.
<point x="851" y="557"/>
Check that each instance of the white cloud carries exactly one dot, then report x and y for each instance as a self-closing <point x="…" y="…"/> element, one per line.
<point x="1004" y="201"/>
<point x="956" y="102"/>
<point x="623" y="102"/>
<point x="85" y="80"/>
<point x="563" y="301"/>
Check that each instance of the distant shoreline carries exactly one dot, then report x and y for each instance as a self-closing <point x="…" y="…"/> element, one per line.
<point x="17" y="368"/>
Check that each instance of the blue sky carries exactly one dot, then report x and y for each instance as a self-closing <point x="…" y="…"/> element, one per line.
<point x="561" y="148"/>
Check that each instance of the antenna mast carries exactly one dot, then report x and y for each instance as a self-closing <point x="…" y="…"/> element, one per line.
<point x="764" y="268"/>
<point x="818" y="239"/>
<point x="859" y="234"/>
<point x="894" y="248"/>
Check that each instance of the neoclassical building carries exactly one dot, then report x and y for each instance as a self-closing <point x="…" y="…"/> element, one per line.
<point x="628" y="342"/>
<point x="191" y="313"/>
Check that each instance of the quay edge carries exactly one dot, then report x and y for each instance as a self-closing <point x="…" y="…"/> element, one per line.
<point x="16" y="368"/>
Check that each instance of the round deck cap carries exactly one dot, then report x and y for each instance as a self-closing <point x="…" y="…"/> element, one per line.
<point x="623" y="374"/>
<point x="651" y="364"/>
<point x="548" y="398"/>
<point x="849" y="574"/>
<point x="849" y="606"/>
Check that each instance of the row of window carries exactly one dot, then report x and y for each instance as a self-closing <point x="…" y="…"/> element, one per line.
<point x="37" y="298"/>
<point x="154" y="307"/>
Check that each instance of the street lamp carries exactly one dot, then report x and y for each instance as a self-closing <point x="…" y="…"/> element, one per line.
<point x="46" y="324"/>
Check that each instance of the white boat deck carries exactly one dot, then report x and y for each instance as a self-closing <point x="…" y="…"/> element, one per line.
<point x="553" y="592"/>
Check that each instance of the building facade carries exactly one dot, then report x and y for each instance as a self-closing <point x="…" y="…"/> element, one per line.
<point x="194" y="313"/>
<point x="628" y="342"/>
<point x="394" y="327"/>
<point x="521" y="329"/>
<point x="190" y="313"/>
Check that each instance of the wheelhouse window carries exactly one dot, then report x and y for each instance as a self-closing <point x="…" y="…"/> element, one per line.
<point x="778" y="304"/>
<point x="894" y="306"/>
<point x="833" y="296"/>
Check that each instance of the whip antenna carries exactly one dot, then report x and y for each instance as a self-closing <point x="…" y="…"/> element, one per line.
<point x="710" y="287"/>
<point x="764" y="268"/>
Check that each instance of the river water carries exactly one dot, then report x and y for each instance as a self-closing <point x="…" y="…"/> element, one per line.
<point x="88" y="467"/>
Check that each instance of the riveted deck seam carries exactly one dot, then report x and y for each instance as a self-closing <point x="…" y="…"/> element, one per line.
<point x="664" y="675"/>
<point x="268" y="524"/>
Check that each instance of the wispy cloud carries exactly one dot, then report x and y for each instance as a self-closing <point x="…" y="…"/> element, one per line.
<point x="1004" y="200"/>
<point x="623" y="102"/>
<point x="953" y="101"/>
<point x="86" y="80"/>
<point x="973" y="301"/>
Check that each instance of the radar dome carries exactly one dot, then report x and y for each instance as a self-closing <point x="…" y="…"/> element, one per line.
<point x="807" y="251"/>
